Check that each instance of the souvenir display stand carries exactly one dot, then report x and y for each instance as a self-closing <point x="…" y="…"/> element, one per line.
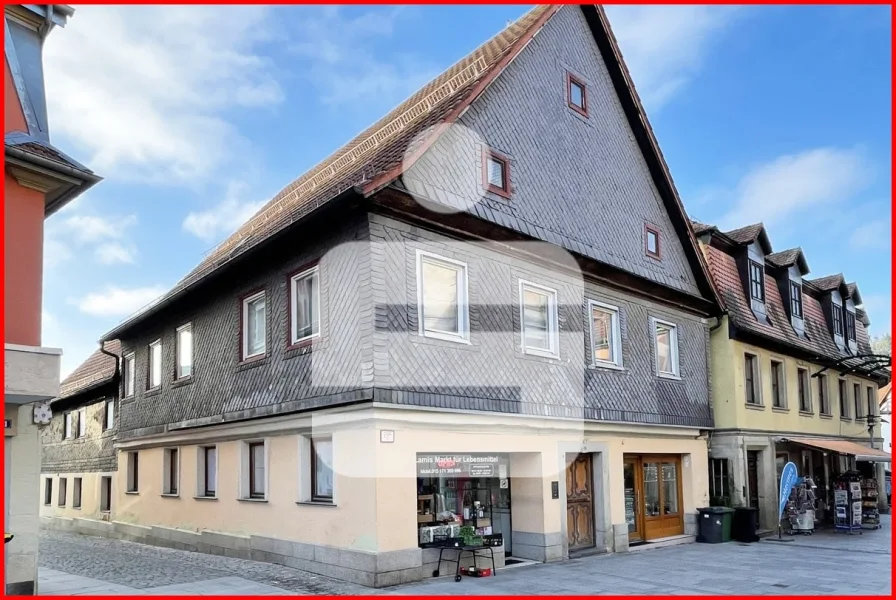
<point x="848" y="503"/>
<point x="870" y="511"/>
<point x="800" y="508"/>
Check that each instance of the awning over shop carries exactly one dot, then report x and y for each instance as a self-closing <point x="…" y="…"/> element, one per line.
<point x="844" y="447"/>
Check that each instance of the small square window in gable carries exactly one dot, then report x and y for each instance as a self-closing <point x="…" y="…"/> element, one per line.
<point x="652" y="241"/>
<point x="496" y="173"/>
<point x="576" y="94"/>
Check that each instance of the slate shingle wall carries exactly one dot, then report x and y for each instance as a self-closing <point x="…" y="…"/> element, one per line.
<point x="221" y="384"/>
<point x="581" y="183"/>
<point x="89" y="454"/>
<point x="491" y="372"/>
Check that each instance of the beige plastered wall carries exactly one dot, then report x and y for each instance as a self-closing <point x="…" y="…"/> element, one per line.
<point x="375" y="496"/>
<point x="90" y="496"/>
<point x="729" y="394"/>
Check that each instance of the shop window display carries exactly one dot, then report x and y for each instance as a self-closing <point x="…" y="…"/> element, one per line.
<point x="462" y="496"/>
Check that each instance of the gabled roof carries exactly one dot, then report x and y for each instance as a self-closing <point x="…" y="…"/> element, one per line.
<point x="828" y="282"/>
<point x="819" y="341"/>
<point x="98" y="369"/>
<point x="377" y="156"/>
<point x="852" y="291"/>
<point x="788" y="258"/>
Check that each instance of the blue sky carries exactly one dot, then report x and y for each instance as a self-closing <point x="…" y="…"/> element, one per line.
<point x="196" y="116"/>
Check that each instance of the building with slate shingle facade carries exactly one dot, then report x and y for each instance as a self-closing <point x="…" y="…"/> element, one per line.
<point x="78" y="458"/>
<point x="792" y="379"/>
<point x="488" y="308"/>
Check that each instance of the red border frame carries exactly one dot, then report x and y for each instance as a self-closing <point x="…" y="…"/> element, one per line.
<point x="488" y="153"/>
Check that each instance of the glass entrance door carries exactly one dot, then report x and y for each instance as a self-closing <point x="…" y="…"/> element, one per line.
<point x="632" y="485"/>
<point x="652" y="487"/>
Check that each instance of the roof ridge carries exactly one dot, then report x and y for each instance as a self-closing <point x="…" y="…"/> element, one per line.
<point x="385" y="128"/>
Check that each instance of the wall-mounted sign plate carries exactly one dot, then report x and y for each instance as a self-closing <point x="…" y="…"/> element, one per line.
<point x="387" y="436"/>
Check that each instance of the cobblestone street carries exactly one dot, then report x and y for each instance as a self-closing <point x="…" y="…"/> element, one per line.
<point x="823" y="564"/>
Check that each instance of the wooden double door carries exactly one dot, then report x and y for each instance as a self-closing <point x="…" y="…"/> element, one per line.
<point x="579" y="502"/>
<point x="653" y="503"/>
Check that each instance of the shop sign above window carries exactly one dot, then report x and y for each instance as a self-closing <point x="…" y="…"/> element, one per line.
<point x="460" y="465"/>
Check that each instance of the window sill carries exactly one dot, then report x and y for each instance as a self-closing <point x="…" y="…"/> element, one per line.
<point x="254" y="361"/>
<point x="170" y="495"/>
<point x="444" y="337"/>
<point x="493" y="189"/>
<point x="780" y="409"/>
<point x="669" y="376"/>
<point x="303" y="343"/>
<point x="846" y="419"/>
<point x="315" y="503"/>
<point x="261" y="500"/>
<point x="182" y="381"/>
<point x="755" y="406"/>
<point x="205" y="497"/>
<point x="152" y="391"/>
<point x="826" y="416"/>
<point x="76" y="508"/>
<point x="803" y="413"/>
<point x="538" y="354"/>
<point x="134" y="493"/>
<point x="607" y="366"/>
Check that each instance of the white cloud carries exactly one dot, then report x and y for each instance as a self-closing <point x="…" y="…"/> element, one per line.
<point x="878" y="308"/>
<point x="113" y="253"/>
<point x="77" y="235"/>
<point x="339" y="57"/>
<point x="665" y="46"/>
<point x="143" y="89"/>
<point x="220" y="220"/>
<point x="87" y="229"/>
<point x="794" y="185"/>
<point x="117" y="301"/>
<point x="874" y="235"/>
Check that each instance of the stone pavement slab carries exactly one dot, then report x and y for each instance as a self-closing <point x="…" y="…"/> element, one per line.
<point x="822" y="564"/>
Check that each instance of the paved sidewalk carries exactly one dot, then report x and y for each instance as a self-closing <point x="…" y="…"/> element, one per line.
<point x="57" y="583"/>
<point x="822" y="564"/>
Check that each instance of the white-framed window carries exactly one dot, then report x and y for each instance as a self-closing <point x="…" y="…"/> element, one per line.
<point x="133" y="472"/>
<point x="171" y="474"/>
<point x="48" y="491"/>
<point x="109" y="415"/>
<point x="322" y="469"/>
<point x="63" y="490"/>
<point x="539" y="323"/>
<point x="183" y="350"/>
<point x="665" y="337"/>
<point x="154" y="370"/>
<point x="305" y="305"/>
<point x="67" y="426"/>
<point x="128" y="368"/>
<point x="442" y="301"/>
<point x="254" y="471"/>
<point x="752" y="386"/>
<point x="82" y="422"/>
<point x="606" y="334"/>
<point x="254" y="325"/>
<point x="207" y="471"/>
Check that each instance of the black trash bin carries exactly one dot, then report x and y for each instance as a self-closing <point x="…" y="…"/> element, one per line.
<point x="714" y="524"/>
<point x="745" y="524"/>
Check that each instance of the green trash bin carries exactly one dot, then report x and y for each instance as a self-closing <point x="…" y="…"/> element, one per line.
<point x="714" y="524"/>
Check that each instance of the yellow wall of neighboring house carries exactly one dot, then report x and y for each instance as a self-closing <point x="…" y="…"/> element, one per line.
<point x="90" y="496"/>
<point x="731" y="411"/>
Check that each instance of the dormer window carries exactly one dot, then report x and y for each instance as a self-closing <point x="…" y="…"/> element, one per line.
<point x="850" y="326"/>
<point x="757" y="288"/>
<point x="796" y="300"/>
<point x="837" y="314"/>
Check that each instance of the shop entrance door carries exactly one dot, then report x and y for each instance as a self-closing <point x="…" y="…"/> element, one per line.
<point x="633" y="494"/>
<point x="579" y="502"/>
<point x="753" y="478"/>
<point x="657" y="510"/>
